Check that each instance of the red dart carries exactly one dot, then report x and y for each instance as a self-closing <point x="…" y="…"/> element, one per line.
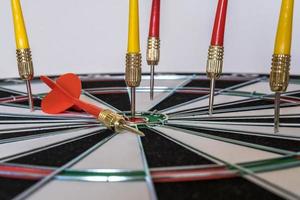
<point x="65" y="94"/>
<point x="154" y="19"/>
<point x="219" y="25"/>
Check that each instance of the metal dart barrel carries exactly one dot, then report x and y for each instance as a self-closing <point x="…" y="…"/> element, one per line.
<point x="133" y="74"/>
<point x="153" y="54"/>
<point x="214" y="70"/>
<point x="279" y="80"/>
<point x="25" y="67"/>
<point x="116" y="122"/>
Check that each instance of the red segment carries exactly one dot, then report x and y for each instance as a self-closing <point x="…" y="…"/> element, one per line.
<point x="219" y="26"/>
<point x="155" y="19"/>
<point x="65" y="94"/>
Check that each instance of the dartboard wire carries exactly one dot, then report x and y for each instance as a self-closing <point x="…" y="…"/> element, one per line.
<point x="238" y="131"/>
<point x="187" y="80"/>
<point x="30" y="137"/>
<point x="245" y="173"/>
<point x="217" y="118"/>
<point x="55" y="144"/>
<point x="49" y="127"/>
<point x="256" y="124"/>
<point x="50" y="177"/>
<point x="148" y="177"/>
<point x="203" y="109"/>
<point x="217" y="93"/>
<point x="291" y="135"/>
<point x="237" y="142"/>
<point x="66" y="115"/>
<point x="24" y="94"/>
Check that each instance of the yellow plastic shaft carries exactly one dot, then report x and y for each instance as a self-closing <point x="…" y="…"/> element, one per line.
<point x="19" y="25"/>
<point x="285" y="28"/>
<point x="133" y="29"/>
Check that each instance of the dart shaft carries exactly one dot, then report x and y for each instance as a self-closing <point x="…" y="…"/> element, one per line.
<point x="277" y="112"/>
<point x="30" y="97"/>
<point x="211" y="95"/>
<point x="132" y="94"/>
<point x="152" y="82"/>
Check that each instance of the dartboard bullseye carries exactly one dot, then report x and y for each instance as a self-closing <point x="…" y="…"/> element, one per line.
<point x="233" y="154"/>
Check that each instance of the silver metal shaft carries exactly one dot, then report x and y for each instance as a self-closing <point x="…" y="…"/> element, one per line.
<point x="152" y="82"/>
<point x="133" y="130"/>
<point x="211" y="96"/>
<point x="132" y="91"/>
<point x="276" y="112"/>
<point x="30" y="98"/>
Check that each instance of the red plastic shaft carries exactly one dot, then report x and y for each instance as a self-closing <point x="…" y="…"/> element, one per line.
<point x="155" y="19"/>
<point x="219" y="26"/>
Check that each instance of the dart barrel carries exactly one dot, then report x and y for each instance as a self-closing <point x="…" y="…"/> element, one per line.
<point x="111" y="120"/>
<point x="25" y="65"/>
<point x="215" y="61"/>
<point x="153" y="51"/>
<point x="279" y="76"/>
<point x="133" y="69"/>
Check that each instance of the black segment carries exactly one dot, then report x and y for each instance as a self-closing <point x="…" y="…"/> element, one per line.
<point x="162" y="152"/>
<point x="247" y="104"/>
<point x="120" y="100"/>
<point x="175" y="99"/>
<point x="233" y="189"/>
<point x="9" y="188"/>
<point x="30" y="133"/>
<point x="36" y="102"/>
<point x="62" y="154"/>
<point x="4" y="94"/>
<point x="103" y="84"/>
<point x="280" y="143"/>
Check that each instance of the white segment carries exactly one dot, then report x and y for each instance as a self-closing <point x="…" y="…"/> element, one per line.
<point x="13" y="110"/>
<point x="61" y="190"/>
<point x="13" y="148"/>
<point x="288" y="179"/>
<point x="37" y="87"/>
<point x="228" y="152"/>
<point x="143" y="102"/>
<point x="284" y="131"/>
<point x="204" y="102"/>
<point x="264" y="87"/>
<point x="121" y="152"/>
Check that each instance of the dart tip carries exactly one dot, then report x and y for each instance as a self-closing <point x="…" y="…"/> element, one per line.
<point x="30" y="98"/>
<point x="276" y="112"/>
<point x="211" y="96"/>
<point x="133" y="130"/>
<point x="152" y="82"/>
<point x="132" y="91"/>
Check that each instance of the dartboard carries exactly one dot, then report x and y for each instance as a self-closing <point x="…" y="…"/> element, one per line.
<point x="185" y="153"/>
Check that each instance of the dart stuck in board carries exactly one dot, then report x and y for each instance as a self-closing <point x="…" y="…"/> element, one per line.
<point x="65" y="94"/>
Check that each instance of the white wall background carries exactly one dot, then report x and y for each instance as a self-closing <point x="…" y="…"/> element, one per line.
<point x="89" y="36"/>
